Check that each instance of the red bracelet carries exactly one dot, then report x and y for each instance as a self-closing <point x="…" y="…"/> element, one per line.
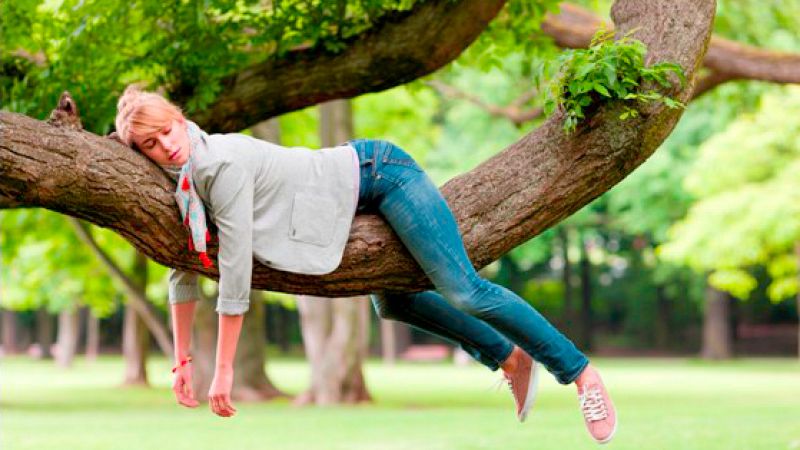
<point x="183" y="363"/>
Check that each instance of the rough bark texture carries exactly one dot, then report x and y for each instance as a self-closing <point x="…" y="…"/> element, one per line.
<point x="402" y="48"/>
<point x="717" y="342"/>
<point x="726" y="60"/>
<point x="529" y="186"/>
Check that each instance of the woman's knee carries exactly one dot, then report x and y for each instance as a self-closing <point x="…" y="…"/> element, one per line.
<point x="471" y="297"/>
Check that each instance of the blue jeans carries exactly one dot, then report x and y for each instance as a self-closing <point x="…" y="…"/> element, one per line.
<point x="485" y="319"/>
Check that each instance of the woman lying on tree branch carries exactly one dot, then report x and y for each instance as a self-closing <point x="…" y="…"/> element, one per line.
<point x="292" y="210"/>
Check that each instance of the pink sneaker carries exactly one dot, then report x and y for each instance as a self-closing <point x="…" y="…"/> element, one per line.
<point x="523" y="382"/>
<point x="598" y="411"/>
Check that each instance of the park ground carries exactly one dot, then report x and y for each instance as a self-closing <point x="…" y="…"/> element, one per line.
<point x="662" y="404"/>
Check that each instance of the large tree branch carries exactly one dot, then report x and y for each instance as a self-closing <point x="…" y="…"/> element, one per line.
<point x="529" y="186"/>
<point x="402" y="48"/>
<point x="725" y="60"/>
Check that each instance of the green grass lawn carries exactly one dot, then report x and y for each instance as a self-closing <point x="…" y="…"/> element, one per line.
<point x="662" y="403"/>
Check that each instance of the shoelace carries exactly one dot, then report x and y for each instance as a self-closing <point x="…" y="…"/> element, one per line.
<point x="593" y="405"/>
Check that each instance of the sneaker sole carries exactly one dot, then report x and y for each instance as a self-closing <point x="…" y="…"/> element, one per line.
<point x="610" y="436"/>
<point x="530" y="398"/>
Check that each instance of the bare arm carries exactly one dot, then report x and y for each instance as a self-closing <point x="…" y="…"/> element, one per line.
<point x="219" y="397"/>
<point x="182" y="318"/>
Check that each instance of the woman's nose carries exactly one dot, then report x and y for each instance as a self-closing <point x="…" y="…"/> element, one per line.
<point x="166" y="143"/>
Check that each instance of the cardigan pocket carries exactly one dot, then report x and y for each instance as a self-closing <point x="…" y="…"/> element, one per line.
<point x="313" y="219"/>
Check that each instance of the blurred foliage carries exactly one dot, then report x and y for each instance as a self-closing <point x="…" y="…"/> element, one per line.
<point x="749" y="213"/>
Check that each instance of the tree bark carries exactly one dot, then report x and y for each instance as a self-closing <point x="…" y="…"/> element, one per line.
<point x="717" y="342"/>
<point x="44" y="332"/>
<point x="67" y="340"/>
<point x="135" y="337"/>
<point x="505" y="201"/>
<point x="401" y="48"/>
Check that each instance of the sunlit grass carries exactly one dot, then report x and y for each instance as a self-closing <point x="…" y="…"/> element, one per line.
<point x="669" y="403"/>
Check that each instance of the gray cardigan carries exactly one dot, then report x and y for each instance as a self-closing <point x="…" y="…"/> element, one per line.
<point x="290" y="208"/>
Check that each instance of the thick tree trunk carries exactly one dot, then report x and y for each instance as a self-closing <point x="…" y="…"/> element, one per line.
<point x="335" y="338"/>
<point x="92" y="336"/>
<point x="67" y="339"/>
<point x="403" y="47"/>
<point x="535" y="182"/>
<point x="135" y="337"/>
<point x="717" y="342"/>
<point x="586" y="335"/>
<point x="44" y="332"/>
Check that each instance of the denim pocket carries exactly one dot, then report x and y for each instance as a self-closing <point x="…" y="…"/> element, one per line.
<point x="396" y="156"/>
<point x="313" y="219"/>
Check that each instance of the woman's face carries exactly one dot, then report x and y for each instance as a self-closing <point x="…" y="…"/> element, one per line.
<point x="169" y="146"/>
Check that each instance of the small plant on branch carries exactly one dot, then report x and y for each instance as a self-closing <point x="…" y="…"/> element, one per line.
<point x="608" y="70"/>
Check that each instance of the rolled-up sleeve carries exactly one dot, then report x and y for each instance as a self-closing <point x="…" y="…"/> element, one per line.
<point x="183" y="286"/>
<point x="230" y="196"/>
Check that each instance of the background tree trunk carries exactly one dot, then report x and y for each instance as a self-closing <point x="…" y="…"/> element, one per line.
<point x="566" y="277"/>
<point x="92" y="335"/>
<point x="250" y="382"/>
<point x="586" y="334"/>
<point x="44" y="332"/>
<point x="135" y="336"/>
<point x="335" y="338"/>
<point x="717" y="342"/>
<point x="10" y="343"/>
<point x="661" y="327"/>
<point x="67" y="339"/>
<point x="395" y="339"/>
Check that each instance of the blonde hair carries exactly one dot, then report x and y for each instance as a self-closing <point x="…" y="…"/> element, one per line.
<point x="141" y="113"/>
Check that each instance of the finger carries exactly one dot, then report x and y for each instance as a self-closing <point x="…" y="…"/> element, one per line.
<point x="229" y="404"/>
